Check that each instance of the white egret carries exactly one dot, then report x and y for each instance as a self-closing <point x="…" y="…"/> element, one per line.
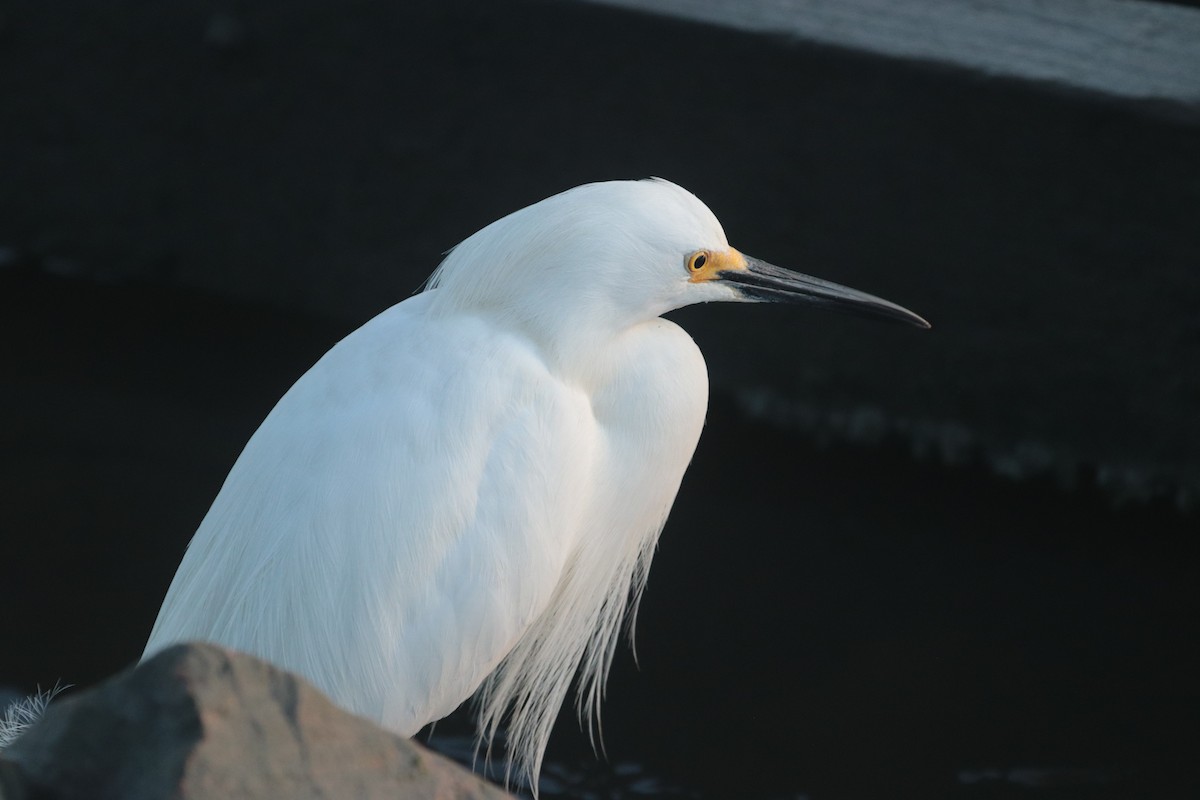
<point x="463" y="495"/>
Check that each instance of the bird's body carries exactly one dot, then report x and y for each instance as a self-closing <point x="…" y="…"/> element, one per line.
<point x="466" y="491"/>
<point x="460" y="432"/>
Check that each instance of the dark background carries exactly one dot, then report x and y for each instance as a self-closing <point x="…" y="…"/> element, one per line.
<point x="955" y="563"/>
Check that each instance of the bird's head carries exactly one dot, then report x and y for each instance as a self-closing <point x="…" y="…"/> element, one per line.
<point x="604" y="256"/>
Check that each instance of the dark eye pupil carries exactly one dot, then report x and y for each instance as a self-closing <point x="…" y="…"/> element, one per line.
<point x="699" y="261"/>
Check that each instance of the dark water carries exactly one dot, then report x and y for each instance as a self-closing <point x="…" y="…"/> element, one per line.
<point x="821" y="622"/>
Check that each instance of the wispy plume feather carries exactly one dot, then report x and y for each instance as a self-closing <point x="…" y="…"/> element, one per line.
<point x="21" y="714"/>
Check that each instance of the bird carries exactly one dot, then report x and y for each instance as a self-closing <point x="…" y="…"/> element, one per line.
<point x="462" y="497"/>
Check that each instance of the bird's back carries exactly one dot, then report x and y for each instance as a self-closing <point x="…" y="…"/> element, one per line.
<point x="361" y="538"/>
<point x="430" y="499"/>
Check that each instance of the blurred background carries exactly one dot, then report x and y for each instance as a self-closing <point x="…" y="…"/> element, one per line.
<point x="956" y="563"/>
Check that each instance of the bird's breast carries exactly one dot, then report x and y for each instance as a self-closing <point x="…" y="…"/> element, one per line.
<point x="650" y="404"/>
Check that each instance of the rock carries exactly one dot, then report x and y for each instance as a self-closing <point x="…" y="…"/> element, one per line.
<point x="198" y="721"/>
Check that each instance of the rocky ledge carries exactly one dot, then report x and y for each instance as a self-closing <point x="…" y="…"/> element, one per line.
<point x="199" y="721"/>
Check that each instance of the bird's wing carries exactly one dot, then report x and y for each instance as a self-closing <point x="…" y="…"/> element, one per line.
<point x="398" y="520"/>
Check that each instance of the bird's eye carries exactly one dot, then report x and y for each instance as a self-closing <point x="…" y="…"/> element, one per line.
<point x="697" y="261"/>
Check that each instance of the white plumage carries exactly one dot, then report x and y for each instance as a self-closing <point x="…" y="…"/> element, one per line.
<point x="465" y="493"/>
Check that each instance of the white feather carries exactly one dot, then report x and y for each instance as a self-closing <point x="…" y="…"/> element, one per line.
<point x="468" y="489"/>
<point x="21" y="714"/>
<point x="464" y="494"/>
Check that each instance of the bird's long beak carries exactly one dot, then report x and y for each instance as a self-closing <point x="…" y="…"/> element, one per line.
<point x="763" y="282"/>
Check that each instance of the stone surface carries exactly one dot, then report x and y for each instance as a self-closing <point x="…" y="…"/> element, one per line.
<point x="1136" y="50"/>
<point x="200" y="722"/>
